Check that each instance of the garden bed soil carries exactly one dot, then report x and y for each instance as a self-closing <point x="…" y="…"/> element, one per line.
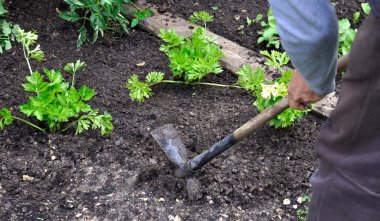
<point x="126" y="176"/>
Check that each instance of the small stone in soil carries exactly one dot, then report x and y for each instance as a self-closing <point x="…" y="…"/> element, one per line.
<point x="27" y="178"/>
<point x="286" y="202"/>
<point x="299" y="200"/>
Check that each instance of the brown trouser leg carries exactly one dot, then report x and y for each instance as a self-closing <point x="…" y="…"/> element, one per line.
<point x="347" y="184"/>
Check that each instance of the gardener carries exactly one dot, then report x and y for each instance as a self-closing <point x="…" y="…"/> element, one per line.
<point x="347" y="184"/>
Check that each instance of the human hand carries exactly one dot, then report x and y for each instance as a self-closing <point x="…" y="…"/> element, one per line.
<point x="300" y="96"/>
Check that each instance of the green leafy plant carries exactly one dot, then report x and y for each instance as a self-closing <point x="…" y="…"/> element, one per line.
<point x="346" y="36"/>
<point x="55" y="101"/>
<point x="102" y="15"/>
<point x="346" y="33"/>
<point x="192" y="58"/>
<point x="7" y="35"/>
<point x="250" y="79"/>
<point x="356" y="17"/>
<point x="3" y="11"/>
<point x="141" y="90"/>
<point x="366" y="8"/>
<point x="269" y="34"/>
<point x="7" y="30"/>
<point x="248" y="22"/>
<point x="276" y="59"/>
<point x="201" y="16"/>
<point x="268" y="93"/>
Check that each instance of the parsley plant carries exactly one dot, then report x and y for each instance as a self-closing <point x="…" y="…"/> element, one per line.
<point x="346" y="36"/>
<point x="276" y="59"/>
<point x="267" y="92"/>
<point x="269" y="34"/>
<point x="56" y="102"/>
<point x="192" y="58"/>
<point x="102" y="15"/>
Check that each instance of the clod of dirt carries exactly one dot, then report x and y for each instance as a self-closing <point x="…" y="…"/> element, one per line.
<point x="193" y="187"/>
<point x="131" y="181"/>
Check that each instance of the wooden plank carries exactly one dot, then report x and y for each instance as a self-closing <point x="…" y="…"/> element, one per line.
<point x="235" y="55"/>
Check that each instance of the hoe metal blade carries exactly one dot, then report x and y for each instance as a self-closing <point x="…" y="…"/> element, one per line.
<point x="168" y="139"/>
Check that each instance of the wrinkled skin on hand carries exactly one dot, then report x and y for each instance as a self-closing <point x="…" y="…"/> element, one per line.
<point x="300" y="96"/>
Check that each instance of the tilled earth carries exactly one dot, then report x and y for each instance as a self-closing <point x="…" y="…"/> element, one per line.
<point x="125" y="176"/>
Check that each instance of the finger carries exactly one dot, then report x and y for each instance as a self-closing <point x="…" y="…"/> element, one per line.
<point x="307" y="106"/>
<point x="296" y="105"/>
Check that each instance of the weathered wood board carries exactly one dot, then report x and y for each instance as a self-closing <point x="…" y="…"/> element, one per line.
<point x="235" y="55"/>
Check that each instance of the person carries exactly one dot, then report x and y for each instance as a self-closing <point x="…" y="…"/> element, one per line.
<point x="346" y="185"/>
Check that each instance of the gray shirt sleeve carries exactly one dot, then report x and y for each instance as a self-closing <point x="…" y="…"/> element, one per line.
<point x="309" y="34"/>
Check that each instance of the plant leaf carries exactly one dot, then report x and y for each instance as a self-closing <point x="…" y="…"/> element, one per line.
<point x="86" y="93"/>
<point x="71" y="16"/>
<point x="82" y="38"/>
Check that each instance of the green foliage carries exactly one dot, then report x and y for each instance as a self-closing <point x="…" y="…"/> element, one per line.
<point x="250" y="79"/>
<point x="346" y="36"/>
<point x="191" y="58"/>
<point x="7" y="30"/>
<point x="269" y="34"/>
<point x="139" y="91"/>
<point x="101" y="121"/>
<point x="55" y="101"/>
<point x="3" y="11"/>
<point x="29" y="39"/>
<point x="250" y="21"/>
<point x="356" y="17"/>
<point x="72" y="68"/>
<point x="276" y="59"/>
<point x="5" y="117"/>
<point x="102" y="15"/>
<point x="366" y="8"/>
<point x="269" y="92"/>
<point x="201" y="16"/>
<point x="7" y="34"/>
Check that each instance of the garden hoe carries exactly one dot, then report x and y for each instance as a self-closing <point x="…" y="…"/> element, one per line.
<point x="167" y="137"/>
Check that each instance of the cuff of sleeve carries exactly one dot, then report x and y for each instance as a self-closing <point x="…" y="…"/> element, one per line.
<point x="323" y="90"/>
<point x="324" y="86"/>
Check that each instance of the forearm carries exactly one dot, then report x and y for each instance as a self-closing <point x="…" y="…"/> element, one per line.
<point x="309" y="34"/>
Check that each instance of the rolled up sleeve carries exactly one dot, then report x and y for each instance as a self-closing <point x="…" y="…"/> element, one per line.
<point x="309" y="34"/>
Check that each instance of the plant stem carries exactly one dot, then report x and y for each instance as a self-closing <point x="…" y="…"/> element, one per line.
<point x="135" y="6"/>
<point x="73" y="80"/>
<point x="70" y="125"/>
<point x="29" y="123"/>
<point x="27" y="59"/>
<point x="197" y="83"/>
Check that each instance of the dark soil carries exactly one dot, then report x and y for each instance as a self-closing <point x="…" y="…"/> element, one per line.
<point x="126" y="176"/>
